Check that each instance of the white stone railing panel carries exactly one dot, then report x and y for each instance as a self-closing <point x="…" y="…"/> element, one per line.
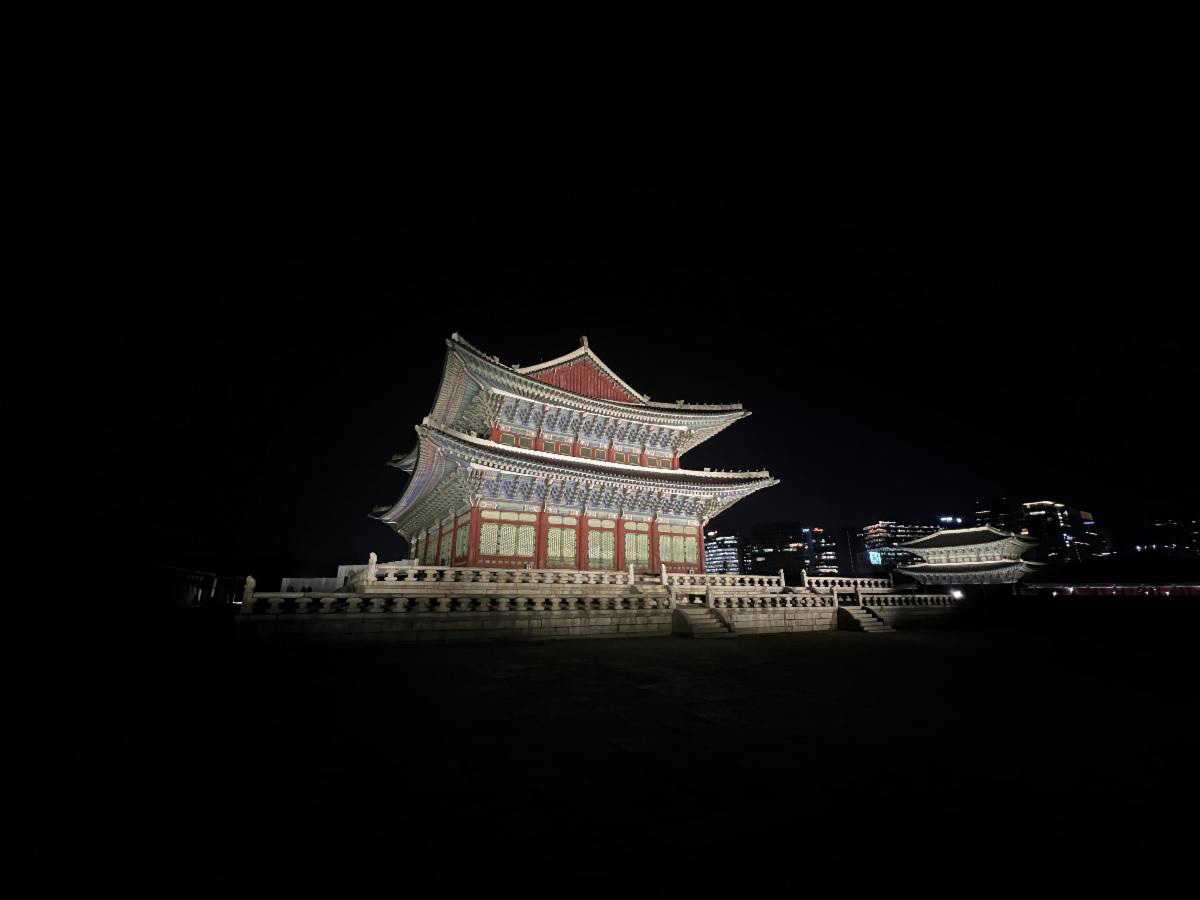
<point x="385" y="576"/>
<point x="765" y="600"/>
<point x="830" y="583"/>
<point x="910" y="600"/>
<point x="678" y="580"/>
<point x="398" y="602"/>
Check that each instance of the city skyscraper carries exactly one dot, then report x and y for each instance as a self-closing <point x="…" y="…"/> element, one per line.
<point x="1064" y="534"/>
<point x="721" y="553"/>
<point x="791" y="547"/>
<point x="878" y="553"/>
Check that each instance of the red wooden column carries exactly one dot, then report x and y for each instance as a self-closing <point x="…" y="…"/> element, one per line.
<point x="655" y="562"/>
<point x="539" y="441"/>
<point x="675" y="461"/>
<point x="473" y="545"/>
<point x="496" y="433"/>
<point x="581" y="543"/>
<point x="437" y="553"/>
<point x="611" y="453"/>
<point x="619" y="538"/>
<point x="700" y="546"/>
<point x="575" y="446"/>
<point x="642" y="456"/>
<point x="543" y="540"/>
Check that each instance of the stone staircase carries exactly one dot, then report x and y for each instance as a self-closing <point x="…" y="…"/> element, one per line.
<point x="699" y="622"/>
<point x="860" y="618"/>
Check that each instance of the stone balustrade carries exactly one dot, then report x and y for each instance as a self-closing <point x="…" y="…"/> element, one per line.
<point x="679" y="580"/>
<point x="769" y="601"/>
<point x="363" y="604"/>
<point x="909" y="600"/>
<point x="386" y="576"/>
<point x="830" y="584"/>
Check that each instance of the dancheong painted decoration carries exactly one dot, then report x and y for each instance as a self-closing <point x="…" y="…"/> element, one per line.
<point x="560" y="465"/>
<point x="982" y="555"/>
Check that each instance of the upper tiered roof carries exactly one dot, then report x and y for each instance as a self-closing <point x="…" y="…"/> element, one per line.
<point x="582" y="372"/>
<point x="963" y="537"/>
<point x="570" y="390"/>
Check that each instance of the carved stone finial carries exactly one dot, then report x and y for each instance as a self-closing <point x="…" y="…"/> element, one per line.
<point x="583" y="341"/>
<point x="372" y="558"/>
<point x="248" y="591"/>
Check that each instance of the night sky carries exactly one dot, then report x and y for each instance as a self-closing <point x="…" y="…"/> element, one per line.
<point x="901" y="357"/>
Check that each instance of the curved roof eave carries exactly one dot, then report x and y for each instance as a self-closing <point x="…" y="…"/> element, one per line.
<point x="487" y="445"/>
<point x="456" y="340"/>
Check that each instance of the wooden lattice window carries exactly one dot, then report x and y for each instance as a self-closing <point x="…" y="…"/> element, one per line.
<point x="489" y="538"/>
<point x="561" y="552"/>
<point x="496" y="539"/>
<point x="601" y="549"/>
<point x="637" y="549"/>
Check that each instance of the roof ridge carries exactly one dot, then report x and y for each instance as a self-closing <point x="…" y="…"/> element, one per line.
<point x="585" y="351"/>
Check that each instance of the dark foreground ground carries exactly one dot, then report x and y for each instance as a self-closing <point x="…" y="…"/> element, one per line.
<point x="988" y="743"/>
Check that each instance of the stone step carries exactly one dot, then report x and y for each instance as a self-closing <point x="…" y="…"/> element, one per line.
<point x="704" y="623"/>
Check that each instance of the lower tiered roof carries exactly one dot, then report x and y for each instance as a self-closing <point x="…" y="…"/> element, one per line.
<point x="451" y="469"/>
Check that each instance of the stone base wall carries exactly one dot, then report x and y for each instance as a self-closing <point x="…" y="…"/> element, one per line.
<point x="780" y="620"/>
<point x="917" y="616"/>
<point x="408" y="628"/>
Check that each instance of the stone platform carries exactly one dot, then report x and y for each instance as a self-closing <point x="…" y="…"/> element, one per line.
<point x="419" y="604"/>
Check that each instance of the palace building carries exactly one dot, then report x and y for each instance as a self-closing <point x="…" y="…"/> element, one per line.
<point x="559" y="465"/>
<point x="983" y="555"/>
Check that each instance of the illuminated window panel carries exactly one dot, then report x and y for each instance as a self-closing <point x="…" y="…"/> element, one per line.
<point x="561" y="548"/>
<point x="601" y="549"/>
<point x="677" y="551"/>
<point x="508" y="541"/>
<point x="489" y="538"/>
<point x="526" y="539"/>
<point x="637" y="549"/>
